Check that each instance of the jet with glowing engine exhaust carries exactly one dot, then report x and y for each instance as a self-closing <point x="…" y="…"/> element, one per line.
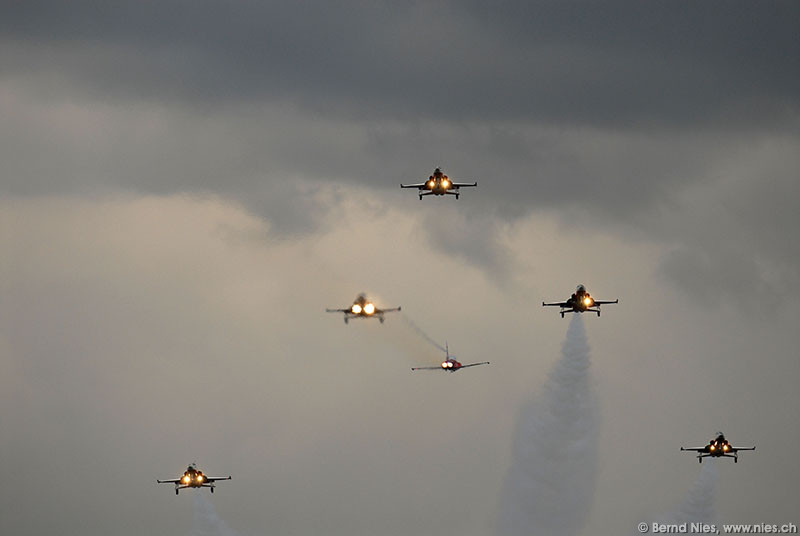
<point x="439" y="184"/>
<point x="450" y="364"/>
<point x="719" y="447"/>
<point x="362" y="308"/>
<point x="580" y="302"/>
<point x="193" y="478"/>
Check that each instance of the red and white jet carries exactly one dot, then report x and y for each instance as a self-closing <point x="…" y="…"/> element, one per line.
<point x="439" y="184"/>
<point x="193" y="478"/>
<point x="450" y="364"/>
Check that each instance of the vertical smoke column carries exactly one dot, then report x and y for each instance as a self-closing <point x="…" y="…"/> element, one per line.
<point x="698" y="507"/>
<point x="206" y="521"/>
<point x="550" y="484"/>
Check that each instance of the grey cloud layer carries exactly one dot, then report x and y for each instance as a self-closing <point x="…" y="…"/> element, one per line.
<point x="575" y="62"/>
<point x="620" y="115"/>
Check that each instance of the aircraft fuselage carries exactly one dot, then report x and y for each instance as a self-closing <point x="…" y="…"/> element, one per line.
<point x="438" y="185"/>
<point x="580" y="303"/>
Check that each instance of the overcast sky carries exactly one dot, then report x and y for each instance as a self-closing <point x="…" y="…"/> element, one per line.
<point x="186" y="186"/>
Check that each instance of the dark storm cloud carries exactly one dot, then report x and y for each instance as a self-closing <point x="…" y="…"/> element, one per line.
<point x="608" y="113"/>
<point x="576" y="62"/>
<point x="735" y="234"/>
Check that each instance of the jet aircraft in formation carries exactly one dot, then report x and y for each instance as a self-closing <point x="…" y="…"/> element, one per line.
<point x="450" y="364"/>
<point x="362" y="308"/>
<point x="580" y="301"/>
<point x="193" y="478"/>
<point x="439" y="184"/>
<point x="719" y="447"/>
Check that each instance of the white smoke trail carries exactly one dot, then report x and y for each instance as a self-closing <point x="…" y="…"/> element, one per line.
<point x="422" y="334"/>
<point x="698" y="507"/>
<point x="550" y="485"/>
<point x="206" y="521"/>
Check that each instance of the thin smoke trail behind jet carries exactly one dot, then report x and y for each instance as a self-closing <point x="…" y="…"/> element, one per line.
<point x="422" y="334"/>
<point x="550" y="484"/>
<point x="206" y="521"/>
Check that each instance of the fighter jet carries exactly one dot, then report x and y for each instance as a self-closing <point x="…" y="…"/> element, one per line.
<point x="362" y="308"/>
<point x="450" y="364"/>
<point x="193" y="478"/>
<point x="719" y="447"/>
<point x="580" y="301"/>
<point x="439" y="184"/>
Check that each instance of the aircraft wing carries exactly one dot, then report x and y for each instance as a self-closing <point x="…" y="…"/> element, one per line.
<point x="419" y="186"/>
<point x="463" y="184"/>
<point x="392" y="310"/>
<point x="170" y="481"/>
<point x="695" y="449"/>
<point x="215" y="478"/>
<point x="556" y="304"/>
<point x="600" y="302"/>
<point x="337" y="310"/>
<point x="737" y="449"/>
<point x="427" y="368"/>
<point x="475" y="364"/>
